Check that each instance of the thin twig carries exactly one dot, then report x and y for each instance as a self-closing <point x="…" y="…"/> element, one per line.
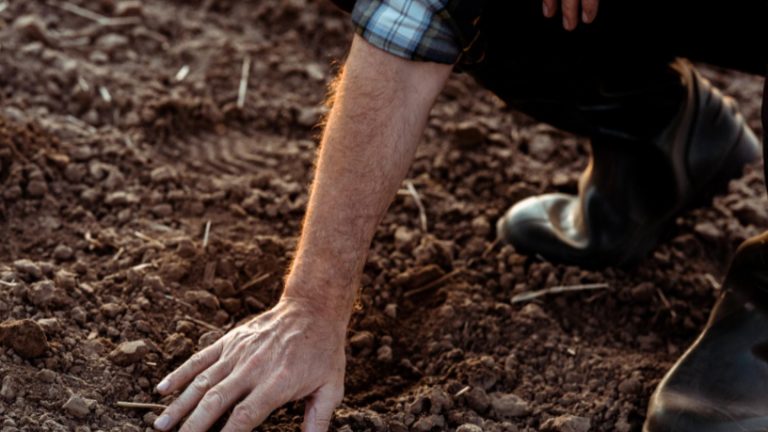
<point x="256" y="280"/>
<point x="89" y="238"/>
<point x="712" y="281"/>
<point x="182" y="73"/>
<point x="8" y="284"/>
<point x="491" y="247"/>
<point x="244" y="82"/>
<point x="118" y="255"/>
<point x="138" y="405"/>
<point x="181" y="302"/>
<point x="206" y="234"/>
<point x="666" y="302"/>
<point x="82" y="12"/>
<point x="201" y="323"/>
<point x="528" y="296"/>
<point x="435" y="283"/>
<point x="417" y="198"/>
<point x="140" y="267"/>
<point x="105" y="95"/>
<point x="149" y="239"/>
<point x="462" y="391"/>
<point x="93" y="16"/>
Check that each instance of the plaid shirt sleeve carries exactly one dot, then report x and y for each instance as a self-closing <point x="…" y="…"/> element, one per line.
<point x="412" y="29"/>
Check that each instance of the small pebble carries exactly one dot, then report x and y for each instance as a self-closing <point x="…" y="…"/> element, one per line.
<point x="8" y="389"/>
<point x="111" y="310"/>
<point x="149" y="418"/>
<point x="384" y="354"/>
<point x="28" y="269"/>
<point x="129" y="8"/>
<point x="63" y="253"/>
<point x="567" y="423"/>
<point x="362" y="340"/>
<point x="428" y="423"/>
<point x="78" y="406"/>
<point x="32" y="26"/>
<point x="46" y="375"/>
<point x="508" y="405"/>
<point x="391" y="310"/>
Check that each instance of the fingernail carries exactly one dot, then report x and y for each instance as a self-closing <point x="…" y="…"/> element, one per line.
<point x="546" y="9"/>
<point x="566" y="25"/>
<point x="163" y="386"/>
<point x="163" y="422"/>
<point x="585" y="17"/>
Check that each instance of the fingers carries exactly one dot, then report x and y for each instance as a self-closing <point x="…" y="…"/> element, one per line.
<point x="549" y="8"/>
<point x="570" y="14"/>
<point x="319" y="409"/>
<point x="589" y="10"/>
<point x="214" y="404"/>
<point x="253" y="410"/>
<point x="192" y="395"/>
<point x="190" y="369"/>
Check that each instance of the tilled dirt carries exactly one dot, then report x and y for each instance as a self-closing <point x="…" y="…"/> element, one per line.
<point x="145" y="209"/>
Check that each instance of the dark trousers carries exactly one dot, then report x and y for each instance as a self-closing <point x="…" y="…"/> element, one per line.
<point x="613" y="77"/>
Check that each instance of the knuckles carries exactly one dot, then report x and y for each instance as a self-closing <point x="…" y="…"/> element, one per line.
<point x="201" y="383"/>
<point x="242" y="418"/>
<point x="212" y="402"/>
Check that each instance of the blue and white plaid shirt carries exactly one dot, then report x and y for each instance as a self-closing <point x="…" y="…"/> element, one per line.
<point x="412" y="29"/>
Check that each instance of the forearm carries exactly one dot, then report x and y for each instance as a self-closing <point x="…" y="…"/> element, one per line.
<point x="380" y="110"/>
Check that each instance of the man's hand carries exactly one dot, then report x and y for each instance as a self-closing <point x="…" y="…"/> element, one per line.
<point x="283" y="355"/>
<point x="571" y="11"/>
<point x="297" y="349"/>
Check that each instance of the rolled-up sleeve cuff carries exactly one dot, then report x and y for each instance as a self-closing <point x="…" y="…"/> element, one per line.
<point x="411" y="29"/>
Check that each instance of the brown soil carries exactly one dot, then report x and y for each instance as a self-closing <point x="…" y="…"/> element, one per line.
<point x="112" y="163"/>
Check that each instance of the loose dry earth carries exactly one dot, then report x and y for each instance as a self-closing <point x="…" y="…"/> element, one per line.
<point x="121" y="139"/>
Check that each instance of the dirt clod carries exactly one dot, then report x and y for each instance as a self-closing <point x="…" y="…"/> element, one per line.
<point x="32" y="26"/>
<point x="177" y="346"/>
<point x="45" y="294"/>
<point x="429" y="423"/>
<point x="128" y="353"/>
<point x="25" y="337"/>
<point x="362" y="340"/>
<point x="508" y="405"/>
<point x="384" y="354"/>
<point x="28" y="269"/>
<point x="567" y="423"/>
<point x="8" y="389"/>
<point x="78" y="406"/>
<point x="469" y="427"/>
<point x="63" y="253"/>
<point x="203" y="299"/>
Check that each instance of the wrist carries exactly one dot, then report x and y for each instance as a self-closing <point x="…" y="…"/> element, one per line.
<point x="325" y="297"/>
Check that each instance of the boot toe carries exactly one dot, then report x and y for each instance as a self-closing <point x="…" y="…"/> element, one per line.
<point x="543" y="224"/>
<point x="679" y="412"/>
<point x="682" y="413"/>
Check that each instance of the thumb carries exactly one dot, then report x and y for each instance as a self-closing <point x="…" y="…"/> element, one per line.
<point x="319" y="408"/>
